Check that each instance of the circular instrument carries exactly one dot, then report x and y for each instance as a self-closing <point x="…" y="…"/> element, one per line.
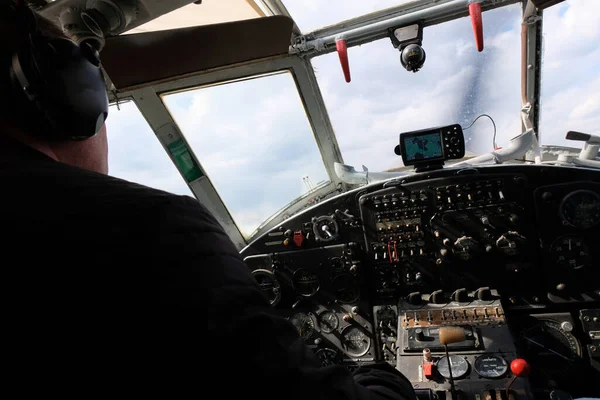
<point x="570" y="252"/>
<point x="356" y="343"/>
<point x="345" y="288"/>
<point x="549" y="349"/>
<point x="459" y="366"/>
<point x="269" y="285"/>
<point x="325" y="228"/>
<point x="581" y="209"/>
<point x="304" y="325"/>
<point x="327" y="357"/>
<point x="329" y="321"/>
<point x="306" y="283"/>
<point x="490" y="366"/>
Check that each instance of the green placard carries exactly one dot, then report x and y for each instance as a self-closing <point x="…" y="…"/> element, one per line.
<point x="184" y="161"/>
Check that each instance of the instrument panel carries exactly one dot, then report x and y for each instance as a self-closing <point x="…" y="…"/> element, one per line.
<point x="507" y="252"/>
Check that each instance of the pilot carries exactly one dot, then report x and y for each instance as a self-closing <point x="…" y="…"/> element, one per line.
<point x="112" y="288"/>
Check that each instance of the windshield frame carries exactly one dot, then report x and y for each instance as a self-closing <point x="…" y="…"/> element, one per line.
<point x="149" y="101"/>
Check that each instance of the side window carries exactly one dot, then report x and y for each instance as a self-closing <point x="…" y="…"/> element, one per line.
<point x="136" y="155"/>
<point x="255" y="143"/>
<point x="570" y="92"/>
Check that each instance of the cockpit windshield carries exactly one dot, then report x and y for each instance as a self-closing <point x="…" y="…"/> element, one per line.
<point x="456" y="84"/>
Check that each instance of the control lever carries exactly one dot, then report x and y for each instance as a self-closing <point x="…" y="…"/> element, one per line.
<point x="519" y="367"/>
<point x="449" y="335"/>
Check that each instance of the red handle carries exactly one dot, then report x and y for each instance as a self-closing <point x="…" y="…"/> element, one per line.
<point x="342" y="49"/>
<point x="477" y="22"/>
<point x="519" y="367"/>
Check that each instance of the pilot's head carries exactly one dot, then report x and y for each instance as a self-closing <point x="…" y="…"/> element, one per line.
<point x="44" y="119"/>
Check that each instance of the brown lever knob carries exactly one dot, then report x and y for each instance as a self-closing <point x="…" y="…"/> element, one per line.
<point x="451" y="334"/>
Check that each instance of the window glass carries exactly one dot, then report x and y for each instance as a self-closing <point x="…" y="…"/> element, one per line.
<point x="136" y="155"/>
<point x="313" y="14"/>
<point x="570" y="92"/>
<point x="255" y="143"/>
<point x="456" y="84"/>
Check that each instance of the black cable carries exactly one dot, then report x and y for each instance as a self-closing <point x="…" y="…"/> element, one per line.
<point x="493" y="123"/>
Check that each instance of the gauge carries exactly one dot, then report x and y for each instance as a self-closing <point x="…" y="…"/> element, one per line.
<point x="549" y="349"/>
<point x="570" y="252"/>
<point x="489" y="366"/>
<point x="345" y="288"/>
<point x="581" y="209"/>
<point x="327" y="357"/>
<point x="511" y="243"/>
<point x="465" y="247"/>
<point x="459" y="366"/>
<point x="325" y="228"/>
<point x="306" y="283"/>
<point x="269" y="285"/>
<point x="356" y="343"/>
<point x="304" y="325"/>
<point x="337" y="265"/>
<point x="329" y="321"/>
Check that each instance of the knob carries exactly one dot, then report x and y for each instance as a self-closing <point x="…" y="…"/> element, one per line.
<point x="460" y="295"/>
<point x="347" y="317"/>
<point x="419" y="335"/>
<point x="437" y="297"/>
<point x="483" y="293"/>
<point x="446" y="242"/>
<point x="485" y="220"/>
<point x="414" y="298"/>
<point x="514" y="218"/>
<point x="289" y="233"/>
<point x="354" y="268"/>
<point x="355" y="310"/>
<point x="520" y="367"/>
<point x="318" y="341"/>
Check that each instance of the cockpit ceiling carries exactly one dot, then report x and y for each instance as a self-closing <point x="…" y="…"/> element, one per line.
<point x="207" y="13"/>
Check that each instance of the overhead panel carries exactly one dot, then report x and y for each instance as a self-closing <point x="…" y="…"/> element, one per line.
<point x="145" y="58"/>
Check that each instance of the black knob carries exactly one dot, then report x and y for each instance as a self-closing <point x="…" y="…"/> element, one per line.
<point x="419" y="335"/>
<point x="460" y="295"/>
<point x="484" y="293"/>
<point x="414" y="298"/>
<point x="437" y="297"/>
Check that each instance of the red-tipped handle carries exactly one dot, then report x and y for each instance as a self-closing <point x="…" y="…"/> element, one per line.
<point x="519" y="367"/>
<point x="342" y="48"/>
<point x="477" y="22"/>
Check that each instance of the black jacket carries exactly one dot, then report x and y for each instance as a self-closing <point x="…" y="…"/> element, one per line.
<point x="116" y="288"/>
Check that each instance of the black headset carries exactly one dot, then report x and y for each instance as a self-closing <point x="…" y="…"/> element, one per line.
<point x="60" y="79"/>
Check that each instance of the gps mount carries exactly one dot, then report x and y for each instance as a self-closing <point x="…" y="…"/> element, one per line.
<point x="428" y="149"/>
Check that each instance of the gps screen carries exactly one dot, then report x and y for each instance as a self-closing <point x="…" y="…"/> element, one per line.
<point x="423" y="147"/>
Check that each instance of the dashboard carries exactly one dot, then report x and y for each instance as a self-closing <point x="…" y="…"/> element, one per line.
<point x="509" y="254"/>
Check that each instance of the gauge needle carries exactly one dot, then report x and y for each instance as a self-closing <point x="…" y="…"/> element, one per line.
<point x="550" y="350"/>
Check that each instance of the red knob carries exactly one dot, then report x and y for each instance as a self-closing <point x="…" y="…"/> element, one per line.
<point x="520" y="367"/>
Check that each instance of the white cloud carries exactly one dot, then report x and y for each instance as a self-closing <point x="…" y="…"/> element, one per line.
<point x="571" y="71"/>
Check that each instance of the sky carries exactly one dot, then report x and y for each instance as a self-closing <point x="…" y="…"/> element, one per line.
<point x="254" y="142"/>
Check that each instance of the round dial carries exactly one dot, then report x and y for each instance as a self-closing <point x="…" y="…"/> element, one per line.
<point x="459" y="366"/>
<point x="269" y="285"/>
<point x="581" y="209"/>
<point x="304" y="325"/>
<point x="550" y="350"/>
<point x="510" y="243"/>
<point x="306" y="283"/>
<point x="488" y="366"/>
<point x="325" y="228"/>
<point x="346" y="288"/>
<point x="465" y="246"/>
<point x="327" y="357"/>
<point x="570" y="252"/>
<point x="329" y="321"/>
<point x="356" y="343"/>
